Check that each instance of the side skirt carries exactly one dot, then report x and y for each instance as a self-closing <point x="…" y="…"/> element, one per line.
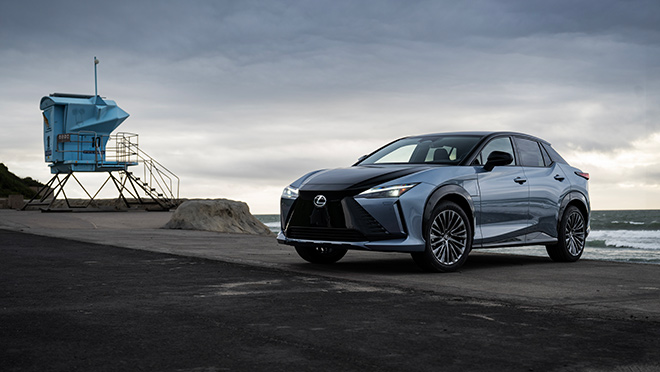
<point x="536" y="238"/>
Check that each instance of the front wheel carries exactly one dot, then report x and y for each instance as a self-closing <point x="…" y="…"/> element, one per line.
<point x="448" y="235"/>
<point x="572" y="237"/>
<point x="321" y="255"/>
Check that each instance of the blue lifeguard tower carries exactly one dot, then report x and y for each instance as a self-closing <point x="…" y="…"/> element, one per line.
<point x="77" y="134"/>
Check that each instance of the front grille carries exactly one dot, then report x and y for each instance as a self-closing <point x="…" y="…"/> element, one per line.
<point x="341" y="219"/>
<point x="305" y="214"/>
<point x="325" y="233"/>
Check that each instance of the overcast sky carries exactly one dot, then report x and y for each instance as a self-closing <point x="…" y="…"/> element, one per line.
<point x="239" y="98"/>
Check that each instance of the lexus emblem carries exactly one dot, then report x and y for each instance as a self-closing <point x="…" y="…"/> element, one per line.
<point x="320" y="200"/>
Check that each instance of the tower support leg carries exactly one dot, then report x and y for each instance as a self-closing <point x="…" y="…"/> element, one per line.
<point x="55" y="186"/>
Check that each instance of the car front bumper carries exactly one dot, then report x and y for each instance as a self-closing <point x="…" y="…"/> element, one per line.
<point x="349" y="222"/>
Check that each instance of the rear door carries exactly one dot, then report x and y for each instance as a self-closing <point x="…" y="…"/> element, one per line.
<point x="547" y="185"/>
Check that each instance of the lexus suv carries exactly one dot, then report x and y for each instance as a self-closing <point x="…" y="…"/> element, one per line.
<point x="437" y="197"/>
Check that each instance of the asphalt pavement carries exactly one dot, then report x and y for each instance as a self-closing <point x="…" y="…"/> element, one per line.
<point x="112" y="291"/>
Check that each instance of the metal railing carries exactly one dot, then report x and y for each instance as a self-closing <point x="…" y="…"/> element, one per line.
<point x="123" y="147"/>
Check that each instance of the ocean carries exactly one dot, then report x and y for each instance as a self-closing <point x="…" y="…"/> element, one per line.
<point x="623" y="236"/>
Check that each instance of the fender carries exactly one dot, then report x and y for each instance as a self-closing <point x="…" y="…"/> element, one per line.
<point x="453" y="192"/>
<point x="574" y="197"/>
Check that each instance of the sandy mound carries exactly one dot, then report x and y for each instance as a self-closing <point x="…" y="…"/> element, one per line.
<point x="219" y="215"/>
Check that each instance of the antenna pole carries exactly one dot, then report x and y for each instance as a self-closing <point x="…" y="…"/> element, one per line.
<point x="96" y="86"/>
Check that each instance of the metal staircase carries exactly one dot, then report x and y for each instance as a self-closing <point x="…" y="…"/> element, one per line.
<point x="155" y="185"/>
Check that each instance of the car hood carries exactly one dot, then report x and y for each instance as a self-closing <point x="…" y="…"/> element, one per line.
<point x="356" y="178"/>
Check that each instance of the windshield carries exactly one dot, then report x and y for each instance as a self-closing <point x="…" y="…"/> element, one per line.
<point x="449" y="150"/>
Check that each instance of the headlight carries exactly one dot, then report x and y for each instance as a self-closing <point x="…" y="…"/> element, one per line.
<point x="290" y="193"/>
<point x="387" y="191"/>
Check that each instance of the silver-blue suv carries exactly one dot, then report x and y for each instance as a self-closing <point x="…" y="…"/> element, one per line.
<point x="438" y="196"/>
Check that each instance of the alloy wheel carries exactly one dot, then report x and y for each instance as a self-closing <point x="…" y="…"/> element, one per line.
<point x="448" y="237"/>
<point x="575" y="234"/>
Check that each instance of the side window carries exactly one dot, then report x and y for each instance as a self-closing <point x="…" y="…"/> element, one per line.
<point x="498" y="144"/>
<point x="546" y="157"/>
<point x="530" y="153"/>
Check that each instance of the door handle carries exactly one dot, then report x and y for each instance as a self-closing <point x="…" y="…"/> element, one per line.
<point x="559" y="178"/>
<point x="520" y="180"/>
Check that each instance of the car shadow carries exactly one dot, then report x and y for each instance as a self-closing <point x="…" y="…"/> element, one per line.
<point x="487" y="260"/>
<point x="395" y="264"/>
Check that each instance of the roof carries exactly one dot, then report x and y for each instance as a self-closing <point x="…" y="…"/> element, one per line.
<point x="481" y="134"/>
<point x="65" y="99"/>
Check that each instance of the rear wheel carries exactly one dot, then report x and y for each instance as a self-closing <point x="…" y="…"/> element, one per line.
<point x="448" y="236"/>
<point x="321" y="255"/>
<point x="572" y="237"/>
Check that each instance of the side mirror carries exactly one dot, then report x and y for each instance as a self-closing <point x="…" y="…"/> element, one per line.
<point x="496" y="159"/>
<point x="362" y="158"/>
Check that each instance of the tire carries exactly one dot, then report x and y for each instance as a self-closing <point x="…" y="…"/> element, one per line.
<point x="321" y="255"/>
<point x="448" y="236"/>
<point x="572" y="237"/>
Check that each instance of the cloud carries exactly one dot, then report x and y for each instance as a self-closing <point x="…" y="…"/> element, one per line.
<point x="262" y="92"/>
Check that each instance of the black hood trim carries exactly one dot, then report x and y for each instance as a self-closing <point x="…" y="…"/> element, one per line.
<point x="375" y="181"/>
<point x="386" y="174"/>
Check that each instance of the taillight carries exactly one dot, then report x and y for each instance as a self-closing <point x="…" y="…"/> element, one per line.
<point x="583" y="175"/>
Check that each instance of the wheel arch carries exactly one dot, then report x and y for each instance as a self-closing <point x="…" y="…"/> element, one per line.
<point x="577" y="199"/>
<point x="453" y="193"/>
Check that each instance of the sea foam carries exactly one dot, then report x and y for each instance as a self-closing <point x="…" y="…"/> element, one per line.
<point x="642" y="239"/>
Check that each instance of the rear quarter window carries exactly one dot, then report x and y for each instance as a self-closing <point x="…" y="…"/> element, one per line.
<point x="554" y="155"/>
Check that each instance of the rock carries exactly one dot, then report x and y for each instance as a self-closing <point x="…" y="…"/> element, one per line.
<point x="220" y="215"/>
<point x="15" y="201"/>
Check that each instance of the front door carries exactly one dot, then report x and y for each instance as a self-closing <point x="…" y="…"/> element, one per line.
<point x="503" y="207"/>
